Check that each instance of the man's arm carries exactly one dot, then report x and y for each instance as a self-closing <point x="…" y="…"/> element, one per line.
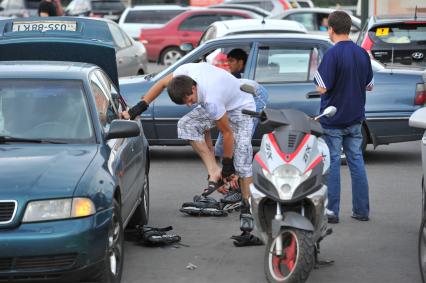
<point x="321" y="90"/>
<point x="228" y="136"/>
<point x="151" y="95"/>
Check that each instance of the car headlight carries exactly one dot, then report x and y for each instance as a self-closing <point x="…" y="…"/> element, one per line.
<point x="285" y="178"/>
<point x="54" y="209"/>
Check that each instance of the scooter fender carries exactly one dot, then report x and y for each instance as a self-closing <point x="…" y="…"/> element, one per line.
<point x="291" y="219"/>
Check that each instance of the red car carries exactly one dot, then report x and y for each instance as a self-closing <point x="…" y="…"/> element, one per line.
<point x="162" y="44"/>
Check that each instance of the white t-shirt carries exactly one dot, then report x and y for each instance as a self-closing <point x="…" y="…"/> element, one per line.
<point x="218" y="90"/>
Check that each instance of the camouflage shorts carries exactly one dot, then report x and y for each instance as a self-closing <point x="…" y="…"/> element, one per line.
<point x="193" y="125"/>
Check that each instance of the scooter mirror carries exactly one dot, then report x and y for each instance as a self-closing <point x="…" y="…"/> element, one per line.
<point x="330" y="111"/>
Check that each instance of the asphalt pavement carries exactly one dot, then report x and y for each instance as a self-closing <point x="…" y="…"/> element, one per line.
<point x="381" y="250"/>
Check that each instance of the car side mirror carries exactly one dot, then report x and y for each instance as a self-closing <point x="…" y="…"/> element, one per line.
<point x="186" y="47"/>
<point x="418" y="119"/>
<point x="123" y="129"/>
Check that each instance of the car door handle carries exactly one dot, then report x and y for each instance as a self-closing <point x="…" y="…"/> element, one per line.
<point x="313" y="94"/>
<point x="120" y="61"/>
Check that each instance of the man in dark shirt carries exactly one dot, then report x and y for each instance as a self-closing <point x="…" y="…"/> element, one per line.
<point x="237" y="59"/>
<point x="342" y="78"/>
<point x="50" y="8"/>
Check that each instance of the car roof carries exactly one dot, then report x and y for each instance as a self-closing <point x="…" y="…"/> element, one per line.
<point x="45" y="69"/>
<point x="389" y="19"/>
<point x="244" y="7"/>
<point x="231" y="26"/>
<point x="157" y="7"/>
<point x="272" y="36"/>
<point x="315" y="10"/>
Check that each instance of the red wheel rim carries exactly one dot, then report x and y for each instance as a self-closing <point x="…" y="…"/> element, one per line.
<point x="283" y="266"/>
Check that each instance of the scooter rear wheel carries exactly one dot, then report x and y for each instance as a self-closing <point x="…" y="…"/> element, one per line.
<point x="297" y="260"/>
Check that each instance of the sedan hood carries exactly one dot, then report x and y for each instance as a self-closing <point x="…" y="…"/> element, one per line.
<point x="42" y="171"/>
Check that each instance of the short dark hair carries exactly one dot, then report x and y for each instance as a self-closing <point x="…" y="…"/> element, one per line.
<point x="238" y="54"/>
<point x="340" y="22"/>
<point x="180" y="87"/>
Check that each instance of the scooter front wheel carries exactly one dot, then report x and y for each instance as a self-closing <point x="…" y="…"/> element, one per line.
<point x="296" y="261"/>
<point x="422" y="249"/>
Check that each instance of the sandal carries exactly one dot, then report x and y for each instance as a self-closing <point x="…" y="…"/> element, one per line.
<point x="246" y="239"/>
<point x="212" y="186"/>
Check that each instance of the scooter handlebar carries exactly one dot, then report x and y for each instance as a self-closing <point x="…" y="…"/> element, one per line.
<point x="251" y="113"/>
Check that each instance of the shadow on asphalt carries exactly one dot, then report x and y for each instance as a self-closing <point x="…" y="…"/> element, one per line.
<point x="378" y="156"/>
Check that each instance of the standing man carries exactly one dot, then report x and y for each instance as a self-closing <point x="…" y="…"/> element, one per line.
<point x="342" y="78"/>
<point x="50" y="8"/>
<point x="220" y="101"/>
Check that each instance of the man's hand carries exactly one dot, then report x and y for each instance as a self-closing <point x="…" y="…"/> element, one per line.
<point x="227" y="167"/>
<point x="124" y="115"/>
<point x="136" y="110"/>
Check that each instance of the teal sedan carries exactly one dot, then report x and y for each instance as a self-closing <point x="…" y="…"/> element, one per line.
<point x="72" y="174"/>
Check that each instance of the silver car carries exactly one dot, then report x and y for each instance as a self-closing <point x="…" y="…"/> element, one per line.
<point x="131" y="55"/>
<point x="418" y="120"/>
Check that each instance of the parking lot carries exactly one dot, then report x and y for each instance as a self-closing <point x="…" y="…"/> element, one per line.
<point x="381" y="250"/>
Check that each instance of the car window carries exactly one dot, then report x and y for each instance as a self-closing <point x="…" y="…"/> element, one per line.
<point x="151" y="17"/>
<point x="45" y="109"/>
<point x="118" y="103"/>
<point x="107" y="5"/>
<point x="198" y="22"/>
<point x="306" y="19"/>
<point x="12" y="4"/>
<point x="281" y="65"/>
<point x="32" y="4"/>
<point x="105" y="110"/>
<point x="226" y="17"/>
<point x="117" y="36"/>
<point x="401" y="33"/>
<point x="210" y="33"/>
<point x="127" y="40"/>
<point x="266" y="5"/>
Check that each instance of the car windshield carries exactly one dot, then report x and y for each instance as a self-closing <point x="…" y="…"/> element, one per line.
<point x="107" y="5"/>
<point x="401" y="33"/>
<point x="44" y="109"/>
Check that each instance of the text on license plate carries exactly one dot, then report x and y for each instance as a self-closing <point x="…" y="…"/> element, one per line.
<point x="44" y="26"/>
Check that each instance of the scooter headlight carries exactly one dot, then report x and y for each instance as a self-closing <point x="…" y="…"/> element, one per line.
<point x="285" y="178"/>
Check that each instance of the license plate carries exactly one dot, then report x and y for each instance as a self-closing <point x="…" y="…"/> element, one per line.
<point x="44" y="26"/>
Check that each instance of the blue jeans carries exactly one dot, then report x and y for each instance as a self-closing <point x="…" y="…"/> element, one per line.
<point x="350" y="138"/>
<point x="261" y="99"/>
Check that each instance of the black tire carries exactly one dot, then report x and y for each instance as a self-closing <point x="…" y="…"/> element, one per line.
<point x="114" y="254"/>
<point x="422" y="250"/>
<point x="170" y="56"/>
<point x="141" y="214"/>
<point x="287" y="268"/>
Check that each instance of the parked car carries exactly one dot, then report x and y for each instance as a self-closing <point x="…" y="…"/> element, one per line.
<point x="132" y="57"/>
<point x="109" y="9"/>
<point x="72" y="175"/>
<point x="305" y="3"/>
<point x="19" y="8"/>
<point x="311" y="18"/>
<point x="285" y="64"/>
<point x="162" y="44"/>
<point x="234" y="27"/>
<point x="257" y="10"/>
<point x="396" y="39"/>
<point x="135" y="18"/>
<point x="247" y="26"/>
<point x="418" y="120"/>
<point x="273" y="6"/>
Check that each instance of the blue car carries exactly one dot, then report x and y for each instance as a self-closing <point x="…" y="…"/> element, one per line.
<point x="285" y="65"/>
<point x="72" y="175"/>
